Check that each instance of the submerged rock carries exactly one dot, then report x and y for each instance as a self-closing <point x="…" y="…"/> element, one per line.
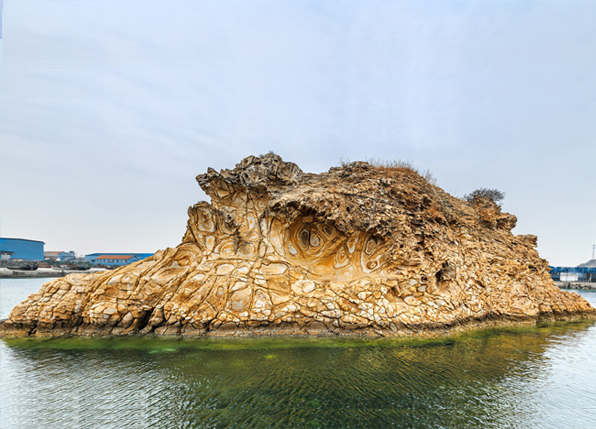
<point x="359" y="249"/>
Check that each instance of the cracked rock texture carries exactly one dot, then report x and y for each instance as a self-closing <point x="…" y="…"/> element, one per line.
<point x="359" y="249"/>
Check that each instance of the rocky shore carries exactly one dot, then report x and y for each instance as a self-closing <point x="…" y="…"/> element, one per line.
<point x="358" y="250"/>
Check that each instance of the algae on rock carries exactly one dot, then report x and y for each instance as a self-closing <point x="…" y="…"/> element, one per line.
<point x="356" y="250"/>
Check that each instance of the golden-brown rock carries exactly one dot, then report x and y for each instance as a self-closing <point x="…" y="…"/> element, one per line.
<point x="359" y="249"/>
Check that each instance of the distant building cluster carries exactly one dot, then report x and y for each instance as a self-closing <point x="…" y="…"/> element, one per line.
<point x="33" y="250"/>
<point x="585" y="272"/>
<point x="115" y="259"/>
<point x="53" y="255"/>
<point x="573" y="274"/>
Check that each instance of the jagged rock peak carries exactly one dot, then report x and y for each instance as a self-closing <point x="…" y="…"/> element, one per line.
<point x="252" y="172"/>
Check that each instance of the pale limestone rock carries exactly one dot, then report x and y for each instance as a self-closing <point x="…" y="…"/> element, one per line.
<point x="358" y="250"/>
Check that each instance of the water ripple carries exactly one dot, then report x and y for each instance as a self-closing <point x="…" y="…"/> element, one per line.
<point x="538" y="377"/>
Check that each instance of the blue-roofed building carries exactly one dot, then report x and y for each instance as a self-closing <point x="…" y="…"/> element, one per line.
<point x="22" y="248"/>
<point x="115" y="259"/>
<point x="67" y="256"/>
<point x="59" y="255"/>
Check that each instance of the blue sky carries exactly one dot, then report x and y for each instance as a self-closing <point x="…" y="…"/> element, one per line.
<point x="109" y="109"/>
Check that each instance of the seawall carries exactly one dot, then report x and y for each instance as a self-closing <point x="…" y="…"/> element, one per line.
<point x="6" y="273"/>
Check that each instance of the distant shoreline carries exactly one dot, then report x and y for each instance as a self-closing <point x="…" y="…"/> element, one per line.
<point x="575" y="285"/>
<point x="6" y="273"/>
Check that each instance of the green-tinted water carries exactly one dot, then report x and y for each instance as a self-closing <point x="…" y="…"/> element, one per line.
<point x="504" y="378"/>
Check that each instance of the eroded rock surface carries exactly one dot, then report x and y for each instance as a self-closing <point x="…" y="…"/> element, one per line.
<point x="359" y="249"/>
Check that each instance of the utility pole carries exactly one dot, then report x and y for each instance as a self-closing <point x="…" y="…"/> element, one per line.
<point x="593" y="247"/>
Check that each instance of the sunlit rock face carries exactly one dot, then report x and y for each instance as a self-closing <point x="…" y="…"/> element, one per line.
<point x="357" y="250"/>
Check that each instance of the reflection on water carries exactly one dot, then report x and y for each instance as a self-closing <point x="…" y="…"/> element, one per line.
<point x="506" y="378"/>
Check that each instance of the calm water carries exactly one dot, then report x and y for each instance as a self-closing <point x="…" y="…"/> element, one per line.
<point x="541" y="377"/>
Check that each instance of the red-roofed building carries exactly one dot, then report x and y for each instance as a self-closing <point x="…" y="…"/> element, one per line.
<point x="51" y="254"/>
<point x="115" y="259"/>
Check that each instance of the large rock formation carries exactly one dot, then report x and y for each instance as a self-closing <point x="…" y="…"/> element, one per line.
<point x="360" y="249"/>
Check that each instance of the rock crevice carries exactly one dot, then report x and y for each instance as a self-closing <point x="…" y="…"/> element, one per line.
<point x="356" y="250"/>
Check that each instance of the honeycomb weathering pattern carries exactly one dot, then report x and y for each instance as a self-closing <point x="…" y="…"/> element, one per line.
<point x="356" y="250"/>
